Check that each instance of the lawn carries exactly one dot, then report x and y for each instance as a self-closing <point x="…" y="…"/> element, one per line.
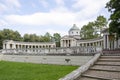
<point x="30" y="71"/>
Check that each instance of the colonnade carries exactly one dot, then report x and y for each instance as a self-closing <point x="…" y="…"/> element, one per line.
<point x="66" y="43"/>
<point x="9" y="44"/>
<point x="82" y="43"/>
<point x="109" y="41"/>
<point x="98" y="43"/>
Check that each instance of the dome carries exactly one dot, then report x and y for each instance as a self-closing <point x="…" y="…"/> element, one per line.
<point x="74" y="27"/>
<point x="74" y="30"/>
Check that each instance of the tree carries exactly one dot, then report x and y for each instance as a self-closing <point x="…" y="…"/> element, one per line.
<point x="31" y="38"/>
<point x="47" y="37"/>
<point x="114" y="7"/>
<point x="57" y="37"/>
<point x="1" y="39"/>
<point x="93" y="29"/>
<point x="7" y="34"/>
<point x="11" y="35"/>
<point x="100" y="23"/>
<point x="26" y="37"/>
<point x="87" y="31"/>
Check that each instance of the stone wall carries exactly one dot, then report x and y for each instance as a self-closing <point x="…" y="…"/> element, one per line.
<point x="61" y="60"/>
<point x="1" y="55"/>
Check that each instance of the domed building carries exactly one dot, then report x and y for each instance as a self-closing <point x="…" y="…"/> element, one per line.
<point x="71" y="39"/>
<point x="74" y="31"/>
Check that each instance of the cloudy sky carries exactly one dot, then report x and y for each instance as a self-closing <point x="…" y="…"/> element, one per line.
<point x="53" y="16"/>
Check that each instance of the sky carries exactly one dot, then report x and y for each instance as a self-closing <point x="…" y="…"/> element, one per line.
<point x="53" y="16"/>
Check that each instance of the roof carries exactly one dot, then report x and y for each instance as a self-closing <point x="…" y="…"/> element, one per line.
<point x="74" y="27"/>
<point x="20" y="42"/>
<point x="89" y="40"/>
<point x="74" y="37"/>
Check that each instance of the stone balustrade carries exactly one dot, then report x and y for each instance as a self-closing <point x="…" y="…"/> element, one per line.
<point x="61" y="50"/>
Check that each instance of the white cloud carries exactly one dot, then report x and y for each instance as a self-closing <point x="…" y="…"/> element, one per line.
<point x="51" y="31"/>
<point x="81" y="13"/>
<point x="42" y="18"/>
<point x="90" y="7"/>
<point x="2" y="7"/>
<point x="13" y="3"/>
<point x="8" y="5"/>
<point x="3" y="23"/>
<point x="59" y="2"/>
<point x="60" y="9"/>
<point x="44" y="3"/>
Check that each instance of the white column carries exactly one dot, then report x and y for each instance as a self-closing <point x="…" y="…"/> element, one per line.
<point x="28" y="46"/>
<point x="115" y="44"/>
<point x="99" y="43"/>
<point x="108" y="43"/>
<point x="3" y="46"/>
<point x="65" y="43"/>
<point x="104" y="41"/>
<point x="61" y="43"/>
<point x="7" y="46"/>
<point x="14" y="47"/>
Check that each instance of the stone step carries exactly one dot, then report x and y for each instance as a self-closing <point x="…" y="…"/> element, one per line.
<point x="110" y="57"/>
<point x="86" y="78"/>
<point x="109" y="60"/>
<point x="108" y="63"/>
<point x="102" y="75"/>
<point x="106" y="68"/>
<point x="111" y="54"/>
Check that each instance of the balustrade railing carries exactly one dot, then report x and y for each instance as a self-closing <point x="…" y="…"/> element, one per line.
<point x="61" y="50"/>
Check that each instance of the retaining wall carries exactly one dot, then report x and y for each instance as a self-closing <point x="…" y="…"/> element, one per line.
<point x="61" y="60"/>
<point x="1" y="55"/>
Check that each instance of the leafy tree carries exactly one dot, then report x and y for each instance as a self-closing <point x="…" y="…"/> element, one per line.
<point x="7" y="34"/>
<point x="57" y="38"/>
<point x="114" y="7"/>
<point x="100" y="23"/>
<point x="93" y="29"/>
<point x="1" y="39"/>
<point x="87" y="31"/>
<point x="34" y="38"/>
<point x="26" y="37"/>
<point x="47" y="37"/>
<point x="31" y="38"/>
<point x="11" y="35"/>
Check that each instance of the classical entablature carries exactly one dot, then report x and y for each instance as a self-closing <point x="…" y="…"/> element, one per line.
<point x="10" y="44"/>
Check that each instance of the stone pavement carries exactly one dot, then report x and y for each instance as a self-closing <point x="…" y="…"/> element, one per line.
<point x="106" y="68"/>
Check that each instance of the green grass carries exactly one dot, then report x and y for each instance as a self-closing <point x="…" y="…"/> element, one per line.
<point x="30" y="71"/>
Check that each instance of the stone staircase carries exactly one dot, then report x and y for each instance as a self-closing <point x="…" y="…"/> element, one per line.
<point x="106" y="68"/>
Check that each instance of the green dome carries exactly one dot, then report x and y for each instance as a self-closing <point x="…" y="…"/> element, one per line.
<point x="74" y="27"/>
